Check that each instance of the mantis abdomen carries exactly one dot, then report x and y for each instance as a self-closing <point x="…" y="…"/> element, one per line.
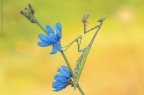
<point x="80" y="65"/>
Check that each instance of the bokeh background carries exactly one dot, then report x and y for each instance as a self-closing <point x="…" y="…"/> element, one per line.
<point x="115" y="65"/>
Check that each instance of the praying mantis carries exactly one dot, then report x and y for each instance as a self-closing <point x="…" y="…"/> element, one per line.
<point x="85" y="52"/>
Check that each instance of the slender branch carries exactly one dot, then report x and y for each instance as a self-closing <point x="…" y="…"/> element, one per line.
<point x="66" y="60"/>
<point x="39" y="24"/>
<point x="64" y="56"/>
<point x="29" y="13"/>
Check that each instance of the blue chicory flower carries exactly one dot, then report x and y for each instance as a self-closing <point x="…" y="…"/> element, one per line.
<point x="63" y="79"/>
<point x="52" y="38"/>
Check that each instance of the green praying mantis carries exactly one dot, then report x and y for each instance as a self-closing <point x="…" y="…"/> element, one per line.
<point x="85" y="52"/>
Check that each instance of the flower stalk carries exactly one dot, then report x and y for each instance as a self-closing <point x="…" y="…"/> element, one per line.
<point x="39" y="24"/>
<point x="29" y="13"/>
<point x="64" y="56"/>
<point x="78" y="86"/>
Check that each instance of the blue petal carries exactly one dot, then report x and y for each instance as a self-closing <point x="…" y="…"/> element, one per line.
<point x="58" y="46"/>
<point x="54" y="50"/>
<point x="49" y="30"/>
<point x="58" y="29"/>
<point x="66" y="69"/>
<point x="58" y="25"/>
<point x="55" y="84"/>
<point x="58" y="35"/>
<point x="43" y="44"/>
<point x="59" y="87"/>
<point x="60" y="78"/>
<point x="51" y="39"/>
<point x="58" y="84"/>
<point x="63" y="72"/>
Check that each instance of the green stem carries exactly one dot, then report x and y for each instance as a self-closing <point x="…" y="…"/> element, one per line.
<point x="65" y="58"/>
<point x="80" y="89"/>
<point x="40" y="25"/>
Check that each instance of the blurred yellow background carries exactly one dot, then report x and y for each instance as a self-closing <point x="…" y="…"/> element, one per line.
<point x="115" y="65"/>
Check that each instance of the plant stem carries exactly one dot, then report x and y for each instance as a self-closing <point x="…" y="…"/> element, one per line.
<point x="39" y="24"/>
<point x="63" y="54"/>
<point x="65" y="58"/>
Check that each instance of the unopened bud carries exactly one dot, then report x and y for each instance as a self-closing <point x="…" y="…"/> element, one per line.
<point x="30" y="6"/>
<point x="26" y="8"/>
<point x="22" y="12"/>
<point x="31" y="9"/>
